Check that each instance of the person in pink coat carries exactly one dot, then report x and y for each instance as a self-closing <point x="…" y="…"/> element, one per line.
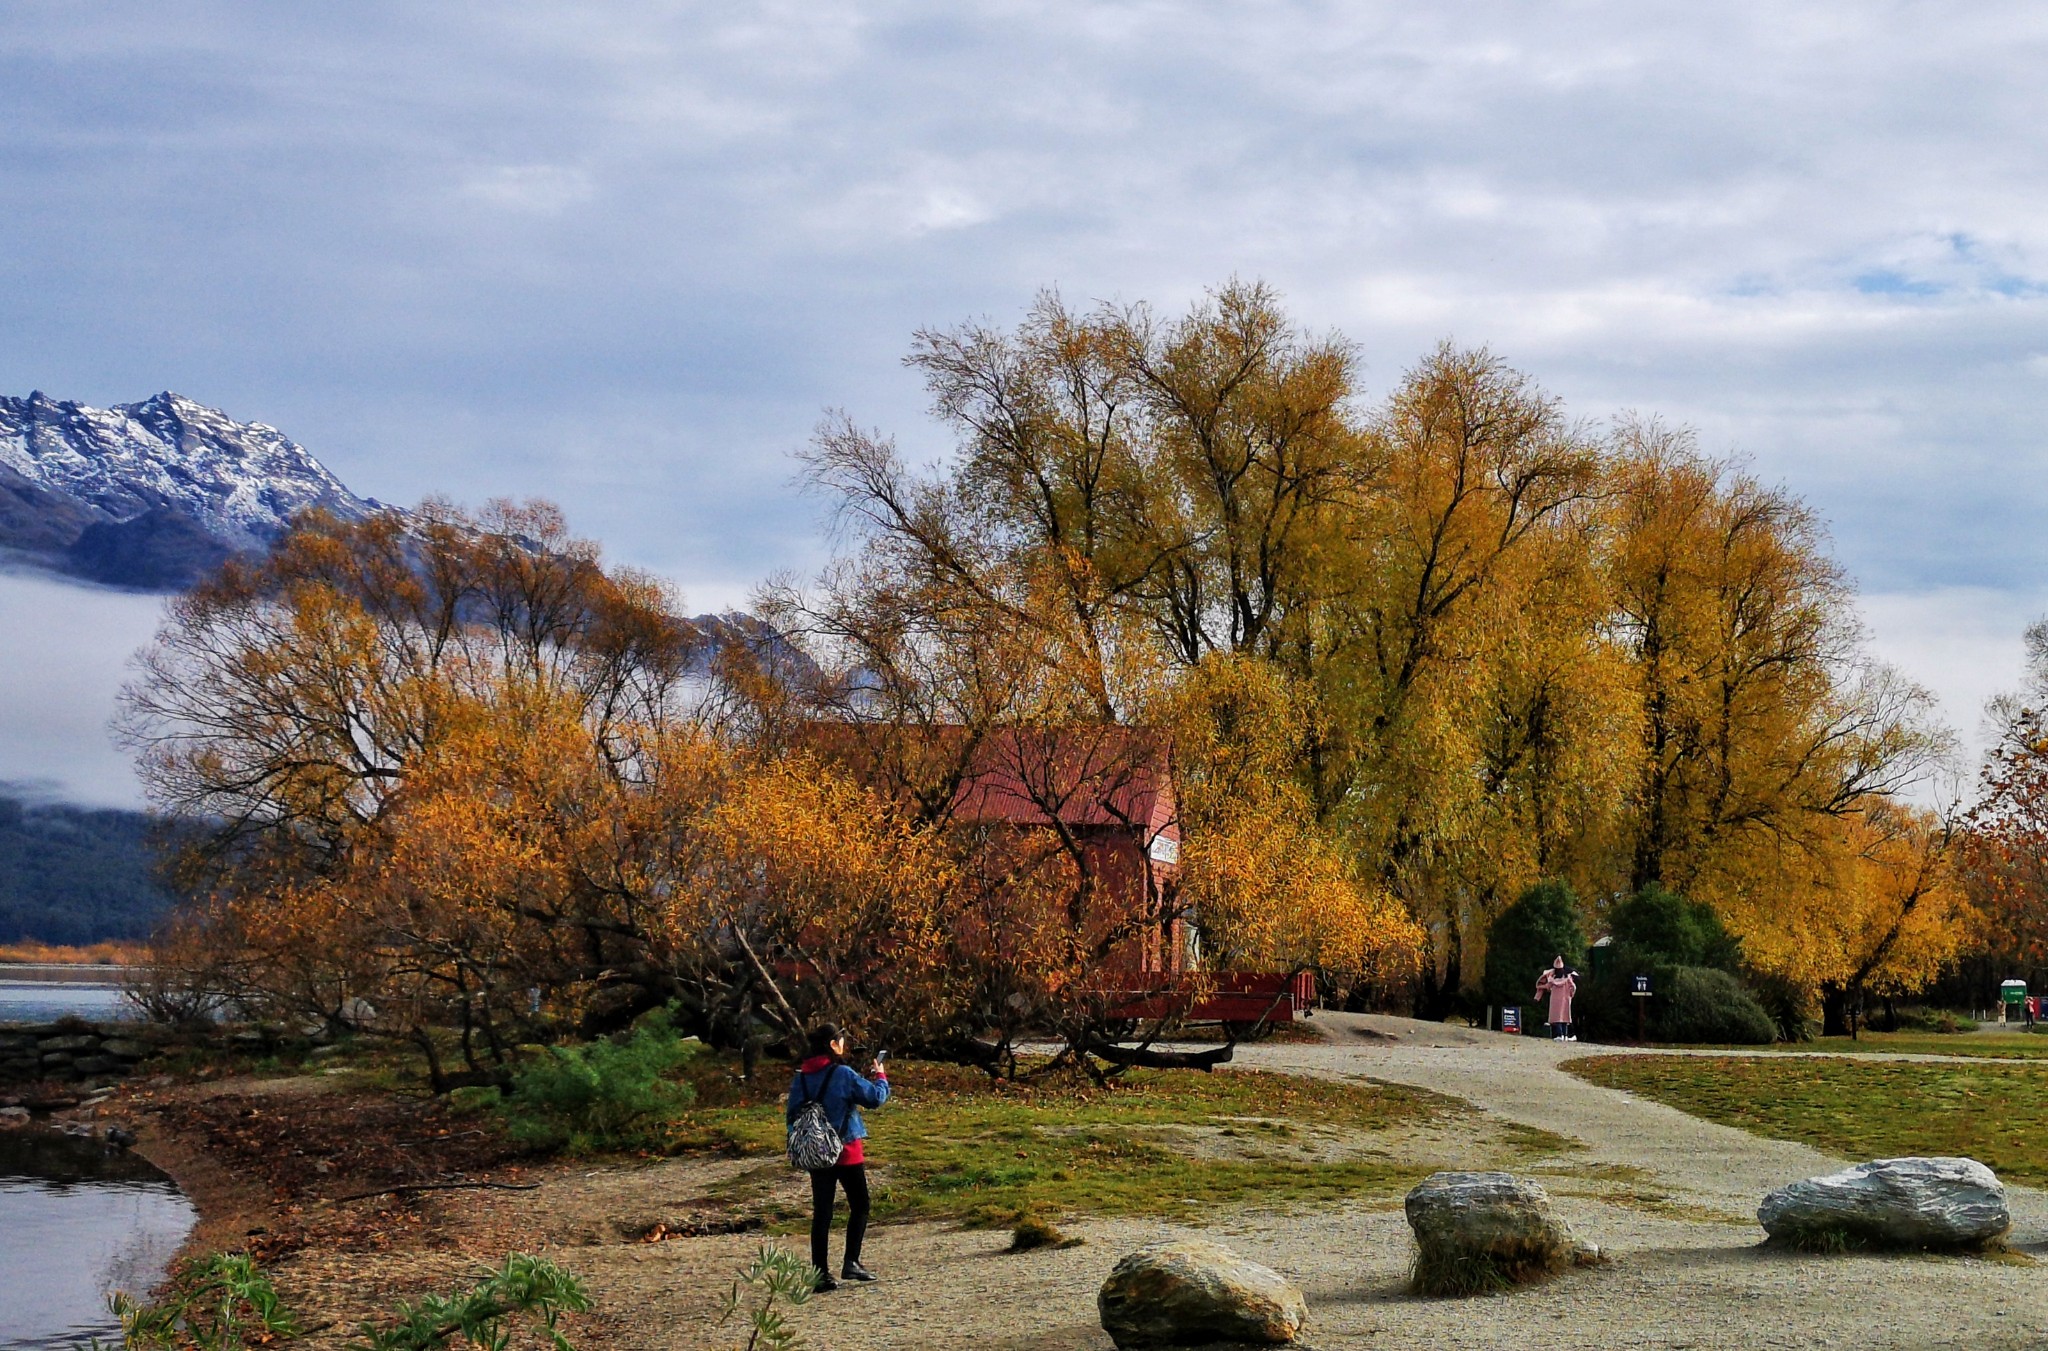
<point x="1560" y="983"/>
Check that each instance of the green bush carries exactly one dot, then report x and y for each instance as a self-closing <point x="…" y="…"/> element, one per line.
<point x="1542" y="924"/>
<point x="606" y="1096"/>
<point x="1788" y="1003"/>
<point x="1935" y="1020"/>
<point x="1701" y="1004"/>
<point x="1659" y="927"/>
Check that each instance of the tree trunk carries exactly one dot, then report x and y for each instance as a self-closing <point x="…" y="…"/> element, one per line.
<point x="1143" y="1058"/>
<point x="1436" y="994"/>
<point x="1834" y="1011"/>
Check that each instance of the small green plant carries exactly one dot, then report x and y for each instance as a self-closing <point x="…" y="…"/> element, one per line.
<point x="528" y="1288"/>
<point x="1034" y="1228"/>
<point x="219" y="1303"/>
<point x="604" y="1097"/>
<point x="779" y="1279"/>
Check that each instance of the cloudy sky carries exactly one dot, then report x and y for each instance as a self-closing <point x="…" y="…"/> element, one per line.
<point x="622" y="255"/>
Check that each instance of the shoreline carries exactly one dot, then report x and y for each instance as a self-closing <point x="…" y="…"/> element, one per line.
<point x="227" y="1208"/>
<point x="65" y="973"/>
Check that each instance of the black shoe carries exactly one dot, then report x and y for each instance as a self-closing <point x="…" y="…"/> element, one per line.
<point x="825" y="1282"/>
<point x="854" y="1271"/>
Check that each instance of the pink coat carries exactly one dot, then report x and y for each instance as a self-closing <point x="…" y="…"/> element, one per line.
<point x="1561" y="992"/>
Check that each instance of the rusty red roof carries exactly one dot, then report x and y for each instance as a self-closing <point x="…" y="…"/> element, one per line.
<point x="1104" y="776"/>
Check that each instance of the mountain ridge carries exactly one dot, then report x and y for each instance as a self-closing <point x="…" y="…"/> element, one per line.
<point x="150" y="495"/>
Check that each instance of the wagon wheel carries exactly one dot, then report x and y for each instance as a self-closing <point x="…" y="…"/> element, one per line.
<point x="1120" y="1029"/>
<point x="1243" y="1031"/>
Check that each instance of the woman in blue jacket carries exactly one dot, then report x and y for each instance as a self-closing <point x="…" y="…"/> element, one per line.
<point x="826" y="1078"/>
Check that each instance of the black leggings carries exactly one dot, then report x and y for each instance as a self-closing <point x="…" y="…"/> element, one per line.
<point x="853" y="1177"/>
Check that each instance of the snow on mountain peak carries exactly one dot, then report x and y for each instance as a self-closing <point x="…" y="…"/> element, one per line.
<point x="240" y="481"/>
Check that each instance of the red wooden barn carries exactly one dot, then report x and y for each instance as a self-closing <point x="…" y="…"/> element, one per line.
<point x="1108" y="792"/>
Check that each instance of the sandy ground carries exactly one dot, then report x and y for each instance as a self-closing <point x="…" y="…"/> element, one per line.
<point x="1671" y="1198"/>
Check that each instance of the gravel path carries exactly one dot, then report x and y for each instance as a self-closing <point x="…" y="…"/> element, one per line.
<point x="1712" y="1166"/>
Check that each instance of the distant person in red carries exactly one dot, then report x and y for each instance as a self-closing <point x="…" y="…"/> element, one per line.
<point x="1560" y="983"/>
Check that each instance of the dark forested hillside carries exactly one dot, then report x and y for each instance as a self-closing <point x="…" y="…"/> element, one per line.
<point x="75" y="874"/>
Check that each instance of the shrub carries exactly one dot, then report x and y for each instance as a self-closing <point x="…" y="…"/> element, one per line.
<point x="1788" y="1003"/>
<point x="1541" y="924"/>
<point x="1656" y="926"/>
<point x="606" y="1096"/>
<point x="1934" y="1020"/>
<point x="1701" y="1004"/>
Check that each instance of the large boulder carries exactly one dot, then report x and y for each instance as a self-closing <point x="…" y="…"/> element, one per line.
<point x="1487" y="1231"/>
<point x="1891" y="1203"/>
<point x="1190" y="1292"/>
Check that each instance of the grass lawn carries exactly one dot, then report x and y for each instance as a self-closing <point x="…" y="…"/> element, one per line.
<point x="952" y="1144"/>
<point x="1996" y="1114"/>
<point x="1997" y="1045"/>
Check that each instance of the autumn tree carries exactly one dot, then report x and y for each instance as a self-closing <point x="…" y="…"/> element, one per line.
<point x="2005" y="837"/>
<point x="1130" y="498"/>
<point x="451" y="775"/>
<point x="1469" y="677"/>
<point x="1774" y="754"/>
<point x="1272" y="887"/>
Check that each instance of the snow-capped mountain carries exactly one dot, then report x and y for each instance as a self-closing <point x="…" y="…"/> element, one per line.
<point x="149" y="495"/>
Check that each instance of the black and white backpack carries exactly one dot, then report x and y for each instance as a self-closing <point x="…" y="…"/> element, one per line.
<point x="813" y="1144"/>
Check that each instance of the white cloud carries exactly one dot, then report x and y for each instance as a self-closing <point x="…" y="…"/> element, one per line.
<point x="540" y="189"/>
<point x="63" y="662"/>
<point x="1962" y="643"/>
<point x="621" y="253"/>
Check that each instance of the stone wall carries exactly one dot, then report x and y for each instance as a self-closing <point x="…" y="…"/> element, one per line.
<point x="72" y="1050"/>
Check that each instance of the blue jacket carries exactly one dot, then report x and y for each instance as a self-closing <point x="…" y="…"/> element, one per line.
<point x="843" y="1091"/>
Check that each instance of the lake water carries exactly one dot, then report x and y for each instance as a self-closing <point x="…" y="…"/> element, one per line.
<point x="33" y="1001"/>
<point x="78" y="1221"/>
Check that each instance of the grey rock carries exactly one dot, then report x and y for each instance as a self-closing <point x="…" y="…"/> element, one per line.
<point x="82" y="1042"/>
<point x="1480" y="1231"/>
<point x="98" y="1064"/>
<point x="1190" y="1292"/>
<point x="57" y="1059"/>
<point x="14" y="1116"/>
<point x="127" y="1050"/>
<point x="1902" y="1203"/>
<point x="14" y="1041"/>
